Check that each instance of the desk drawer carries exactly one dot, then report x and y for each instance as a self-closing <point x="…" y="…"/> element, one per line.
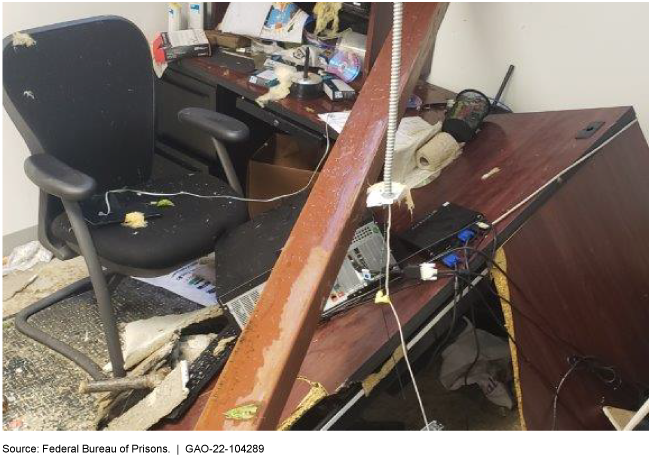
<point x="278" y="122"/>
<point x="173" y="93"/>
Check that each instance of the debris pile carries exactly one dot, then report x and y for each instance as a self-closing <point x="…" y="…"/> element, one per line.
<point x="168" y="359"/>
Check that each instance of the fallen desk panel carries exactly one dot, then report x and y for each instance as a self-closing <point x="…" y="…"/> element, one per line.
<point x="267" y="357"/>
<point x="529" y="150"/>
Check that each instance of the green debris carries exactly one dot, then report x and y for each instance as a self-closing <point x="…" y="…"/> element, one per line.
<point x="242" y="413"/>
<point x="162" y="203"/>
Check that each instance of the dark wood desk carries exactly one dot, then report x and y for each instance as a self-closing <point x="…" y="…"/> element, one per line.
<point x="529" y="150"/>
<point x="302" y="112"/>
<point x="202" y="83"/>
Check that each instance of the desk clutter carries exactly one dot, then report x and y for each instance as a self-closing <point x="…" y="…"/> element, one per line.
<point x="180" y="239"/>
<point x="281" y="46"/>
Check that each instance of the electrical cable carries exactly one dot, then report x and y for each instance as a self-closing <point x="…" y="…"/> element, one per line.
<point x="564" y="171"/>
<point x="593" y="365"/>
<point x="605" y="373"/>
<point x="230" y="197"/>
<point x="454" y="315"/>
<point x="473" y="317"/>
<point x="399" y="324"/>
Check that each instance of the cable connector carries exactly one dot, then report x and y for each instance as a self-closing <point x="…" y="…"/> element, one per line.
<point x="428" y="271"/>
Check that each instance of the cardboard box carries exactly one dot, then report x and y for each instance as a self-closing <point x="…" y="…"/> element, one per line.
<point x="174" y="45"/>
<point x="337" y="90"/>
<point x="281" y="166"/>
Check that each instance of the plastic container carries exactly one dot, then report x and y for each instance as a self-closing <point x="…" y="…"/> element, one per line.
<point x="466" y="115"/>
<point x="195" y="16"/>
<point x="174" y="17"/>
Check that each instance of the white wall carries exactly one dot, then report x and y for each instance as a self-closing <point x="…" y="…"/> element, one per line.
<point x="20" y="197"/>
<point x="567" y="55"/>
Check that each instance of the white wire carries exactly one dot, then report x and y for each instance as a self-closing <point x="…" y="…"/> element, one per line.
<point x="234" y="198"/>
<point x="399" y="324"/>
<point x="554" y="179"/>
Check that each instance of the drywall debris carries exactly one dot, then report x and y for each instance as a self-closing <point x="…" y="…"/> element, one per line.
<point x="134" y="220"/>
<point x="112" y="403"/>
<point x="20" y="39"/>
<point x="156" y="405"/>
<point x="22" y="286"/>
<point x="144" y="337"/>
<point x="192" y="346"/>
<point x="222" y="344"/>
<point x="489" y="174"/>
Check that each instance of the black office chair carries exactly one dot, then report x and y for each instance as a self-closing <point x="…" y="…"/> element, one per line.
<point x="82" y="97"/>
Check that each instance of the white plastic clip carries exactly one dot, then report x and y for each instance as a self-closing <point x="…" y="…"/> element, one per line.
<point x="376" y="196"/>
<point x="428" y="271"/>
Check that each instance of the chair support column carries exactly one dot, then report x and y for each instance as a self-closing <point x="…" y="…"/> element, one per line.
<point x="226" y="163"/>
<point x="100" y="286"/>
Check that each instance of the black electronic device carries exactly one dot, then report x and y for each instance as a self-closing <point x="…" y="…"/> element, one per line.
<point x="440" y="229"/>
<point x="248" y="253"/>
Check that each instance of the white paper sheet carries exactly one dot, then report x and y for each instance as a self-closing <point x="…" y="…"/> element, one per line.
<point x="186" y="283"/>
<point x="245" y="18"/>
<point x="335" y="120"/>
<point x="285" y="27"/>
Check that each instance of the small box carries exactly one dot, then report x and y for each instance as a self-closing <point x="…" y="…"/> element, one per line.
<point x="281" y="166"/>
<point x="276" y="62"/>
<point x="264" y="78"/>
<point x="223" y="39"/>
<point x="174" y="45"/>
<point x="337" y="90"/>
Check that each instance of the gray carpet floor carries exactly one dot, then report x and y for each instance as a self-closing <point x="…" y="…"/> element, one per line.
<point x="41" y="386"/>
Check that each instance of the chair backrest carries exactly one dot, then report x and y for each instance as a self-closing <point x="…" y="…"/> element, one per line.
<point x="82" y="91"/>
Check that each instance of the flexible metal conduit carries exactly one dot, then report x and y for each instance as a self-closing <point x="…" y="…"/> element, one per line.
<point x="393" y="99"/>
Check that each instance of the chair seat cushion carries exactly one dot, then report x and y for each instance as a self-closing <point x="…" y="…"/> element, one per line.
<point x="186" y="231"/>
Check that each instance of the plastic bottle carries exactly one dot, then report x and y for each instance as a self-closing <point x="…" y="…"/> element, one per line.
<point x="174" y="17"/>
<point x="195" y="16"/>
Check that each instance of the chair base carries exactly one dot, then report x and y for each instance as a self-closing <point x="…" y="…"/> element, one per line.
<point x="31" y="331"/>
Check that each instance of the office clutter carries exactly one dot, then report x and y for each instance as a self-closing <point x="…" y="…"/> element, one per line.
<point x="288" y="49"/>
<point x="281" y="166"/>
<point x="161" y="355"/>
<point x="478" y="357"/>
<point x="25" y="257"/>
<point x="174" y="45"/>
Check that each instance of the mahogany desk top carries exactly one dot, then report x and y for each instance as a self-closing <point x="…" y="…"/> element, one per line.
<point x="528" y="150"/>
<point x="304" y="112"/>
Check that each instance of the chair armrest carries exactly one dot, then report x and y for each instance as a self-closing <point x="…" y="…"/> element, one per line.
<point x="221" y="127"/>
<point x="58" y="179"/>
